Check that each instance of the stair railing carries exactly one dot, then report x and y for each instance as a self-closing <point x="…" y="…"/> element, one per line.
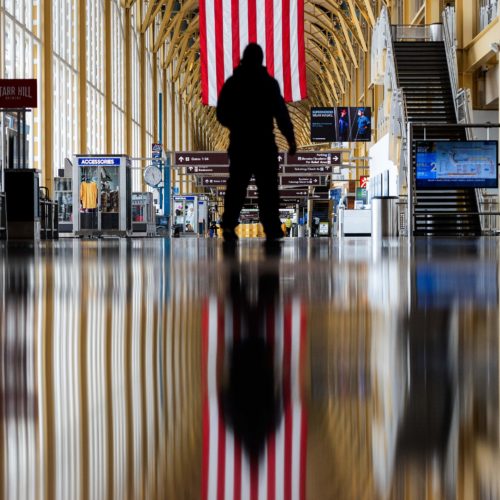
<point x="462" y="99"/>
<point x="383" y="41"/>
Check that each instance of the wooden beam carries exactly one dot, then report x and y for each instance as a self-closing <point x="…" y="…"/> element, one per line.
<point x="128" y="83"/>
<point x="47" y="163"/>
<point x="148" y="17"/>
<point x="369" y="11"/>
<point x="46" y="347"/>
<point x="176" y="23"/>
<point x="108" y="78"/>
<point x="142" y="102"/>
<point x="82" y="77"/>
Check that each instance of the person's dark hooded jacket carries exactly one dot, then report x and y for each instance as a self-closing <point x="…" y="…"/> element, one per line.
<point x="248" y="103"/>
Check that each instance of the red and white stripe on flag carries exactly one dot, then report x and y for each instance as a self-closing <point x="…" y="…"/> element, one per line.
<point x="227" y="473"/>
<point x="228" y="26"/>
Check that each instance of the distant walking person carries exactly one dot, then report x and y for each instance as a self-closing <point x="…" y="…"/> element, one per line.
<point x="248" y="103"/>
<point x="288" y="225"/>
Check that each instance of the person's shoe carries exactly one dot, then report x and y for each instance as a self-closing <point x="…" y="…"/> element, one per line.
<point x="229" y="236"/>
<point x="272" y="246"/>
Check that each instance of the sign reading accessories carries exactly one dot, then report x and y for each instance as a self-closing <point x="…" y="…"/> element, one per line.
<point x="98" y="162"/>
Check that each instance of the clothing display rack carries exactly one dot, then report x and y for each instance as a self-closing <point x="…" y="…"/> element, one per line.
<point x="102" y="195"/>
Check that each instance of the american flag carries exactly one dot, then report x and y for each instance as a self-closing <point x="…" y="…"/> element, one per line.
<point x="227" y="471"/>
<point x="228" y="26"/>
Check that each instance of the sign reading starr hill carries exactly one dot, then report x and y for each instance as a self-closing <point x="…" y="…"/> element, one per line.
<point x="18" y="93"/>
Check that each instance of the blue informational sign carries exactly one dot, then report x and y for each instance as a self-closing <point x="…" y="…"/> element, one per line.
<point x="156" y="150"/>
<point x="457" y="164"/>
<point x="95" y="161"/>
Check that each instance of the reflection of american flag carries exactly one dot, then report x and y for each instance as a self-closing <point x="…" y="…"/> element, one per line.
<point x="227" y="473"/>
<point x="226" y="28"/>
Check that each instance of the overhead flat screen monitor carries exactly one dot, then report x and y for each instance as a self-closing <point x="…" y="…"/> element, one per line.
<point x="342" y="124"/>
<point x="457" y="164"/>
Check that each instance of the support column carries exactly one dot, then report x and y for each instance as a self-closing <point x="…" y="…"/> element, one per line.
<point x="173" y="144"/>
<point x="128" y="83"/>
<point x="82" y="76"/>
<point x="432" y="12"/>
<point x="47" y="93"/>
<point x="142" y="101"/>
<point x="465" y="32"/>
<point x="156" y="125"/>
<point x="108" y="71"/>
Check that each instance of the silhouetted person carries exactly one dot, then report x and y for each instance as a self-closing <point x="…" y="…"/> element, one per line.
<point x="248" y="103"/>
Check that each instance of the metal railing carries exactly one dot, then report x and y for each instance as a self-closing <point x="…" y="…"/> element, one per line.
<point x="484" y="204"/>
<point x="49" y="220"/>
<point x="462" y="101"/>
<point x="416" y="33"/>
<point x="461" y="97"/>
<point x="488" y="10"/>
<point x="488" y="209"/>
<point x="382" y="43"/>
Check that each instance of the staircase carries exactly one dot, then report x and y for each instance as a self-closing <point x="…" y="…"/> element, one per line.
<point x="422" y="74"/>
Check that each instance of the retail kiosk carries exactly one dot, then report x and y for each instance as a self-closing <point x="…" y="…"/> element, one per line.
<point x="143" y="214"/>
<point x="185" y="215"/>
<point x="102" y="195"/>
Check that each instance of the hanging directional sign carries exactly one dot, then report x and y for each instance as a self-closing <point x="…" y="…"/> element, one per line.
<point x="207" y="169"/>
<point x="283" y="193"/>
<point x="315" y="158"/>
<point x="318" y="196"/>
<point x="312" y="180"/>
<point x="308" y="169"/>
<point x="294" y="193"/>
<point x="212" y="181"/>
<point x="197" y="158"/>
<point x="208" y="158"/>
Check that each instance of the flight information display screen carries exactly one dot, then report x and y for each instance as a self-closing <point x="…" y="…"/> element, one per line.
<point x="457" y="164"/>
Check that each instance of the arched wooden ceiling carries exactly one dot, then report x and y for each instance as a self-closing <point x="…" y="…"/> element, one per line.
<point x="335" y="37"/>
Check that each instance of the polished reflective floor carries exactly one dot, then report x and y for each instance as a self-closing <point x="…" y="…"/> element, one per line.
<point x="148" y="369"/>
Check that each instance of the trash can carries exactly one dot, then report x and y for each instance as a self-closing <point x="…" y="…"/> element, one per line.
<point x="384" y="216"/>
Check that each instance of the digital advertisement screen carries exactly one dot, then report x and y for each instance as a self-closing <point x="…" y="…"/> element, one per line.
<point x="456" y="164"/>
<point x="323" y="124"/>
<point x="342" y="124"/>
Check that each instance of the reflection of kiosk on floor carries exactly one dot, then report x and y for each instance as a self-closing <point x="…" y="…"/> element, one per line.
<point x="102" y="195"/>
<point x="143" y="214"/>
<point x="185" y="215"/>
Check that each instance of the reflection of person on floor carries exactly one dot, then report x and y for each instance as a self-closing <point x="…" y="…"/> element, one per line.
<point x="315" y="227"/>
<point x="251" y="400"/>
<point x="213" y="229"/>
<point x="248" y="103"/>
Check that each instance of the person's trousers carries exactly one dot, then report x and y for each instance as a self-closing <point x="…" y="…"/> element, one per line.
<point x="266" y="179"/>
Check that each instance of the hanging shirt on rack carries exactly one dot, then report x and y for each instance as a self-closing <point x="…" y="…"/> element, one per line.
<point x="88" y="195"/>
